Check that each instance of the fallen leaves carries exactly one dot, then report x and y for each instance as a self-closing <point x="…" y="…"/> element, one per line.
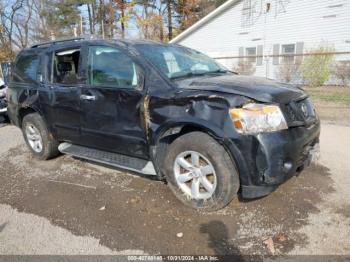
<point x="270" y="245"/>
<point x="281" y="237"/>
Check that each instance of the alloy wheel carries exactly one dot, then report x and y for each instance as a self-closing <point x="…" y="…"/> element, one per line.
<point x="34" y="138"/>
<point x="195" y="175"/>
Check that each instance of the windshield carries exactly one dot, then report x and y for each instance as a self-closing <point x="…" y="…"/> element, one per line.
<point x="177" y="62"/>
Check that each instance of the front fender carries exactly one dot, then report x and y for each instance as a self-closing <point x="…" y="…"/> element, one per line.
<point x="205" y="111"/>
<point x="174" y="126"/>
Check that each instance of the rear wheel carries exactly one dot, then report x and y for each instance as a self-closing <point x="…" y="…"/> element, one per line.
<point x="200" y="172"/>
<point x="6" y="118"/>
<point x="38" y="138"/>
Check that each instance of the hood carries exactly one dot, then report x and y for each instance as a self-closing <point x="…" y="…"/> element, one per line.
<point x="257" y="88"/>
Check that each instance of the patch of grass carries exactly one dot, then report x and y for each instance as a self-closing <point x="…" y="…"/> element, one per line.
<point x="332" y="95"/>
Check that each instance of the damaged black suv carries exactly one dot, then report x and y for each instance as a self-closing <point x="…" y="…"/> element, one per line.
<point x="163" y="110"/>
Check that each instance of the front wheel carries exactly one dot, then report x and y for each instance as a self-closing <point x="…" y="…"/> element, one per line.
<point x="200" y="172"/>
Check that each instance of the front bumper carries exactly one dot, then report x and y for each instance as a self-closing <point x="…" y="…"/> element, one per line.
<point x="269" y="159"/>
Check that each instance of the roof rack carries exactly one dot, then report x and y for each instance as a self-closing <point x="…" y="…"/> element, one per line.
<point x="54" y="42"/>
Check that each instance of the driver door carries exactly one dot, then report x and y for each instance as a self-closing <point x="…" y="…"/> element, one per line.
<point x="112" y="101"/>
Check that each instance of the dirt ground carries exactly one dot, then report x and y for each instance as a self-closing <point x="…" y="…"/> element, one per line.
<point x="70" y="206"/>
<point x="332" y="103"/>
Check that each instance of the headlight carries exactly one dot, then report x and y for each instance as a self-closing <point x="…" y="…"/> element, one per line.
<point x="256" y="118"/>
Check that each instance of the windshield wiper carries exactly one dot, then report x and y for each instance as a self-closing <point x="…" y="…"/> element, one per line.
<point x="189" y="74"/>
<point x="217" y="71"/>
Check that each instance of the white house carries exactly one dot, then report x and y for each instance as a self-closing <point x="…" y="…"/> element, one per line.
<point x="263" y="32"/>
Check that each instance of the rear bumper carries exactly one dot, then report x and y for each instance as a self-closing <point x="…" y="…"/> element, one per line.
<point x="267" y="160"/>
<point x="3" y="111"/>
<point x="3" y="107"/>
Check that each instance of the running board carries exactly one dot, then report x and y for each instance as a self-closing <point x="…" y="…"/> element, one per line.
<point x="108" y="158"/>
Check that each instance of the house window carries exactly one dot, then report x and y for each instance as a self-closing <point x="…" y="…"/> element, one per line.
<point x="251" y="54"/>
<point x="288" y="52"/>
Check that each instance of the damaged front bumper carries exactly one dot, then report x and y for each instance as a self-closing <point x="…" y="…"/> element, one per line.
<point x="269" y="159"/>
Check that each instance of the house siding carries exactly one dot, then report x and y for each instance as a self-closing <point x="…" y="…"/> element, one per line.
<point x="309" y="23"/>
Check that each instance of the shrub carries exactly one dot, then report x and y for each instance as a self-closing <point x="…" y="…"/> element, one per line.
<point x="341" y="71"/>
<point x="245" y="68"/>
<point x="287" y="72"/>
<point x="316" y="69"/>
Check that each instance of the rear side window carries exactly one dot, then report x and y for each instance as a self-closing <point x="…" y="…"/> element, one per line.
<point x="66" y="66"/>
<point x="26" y="69"/>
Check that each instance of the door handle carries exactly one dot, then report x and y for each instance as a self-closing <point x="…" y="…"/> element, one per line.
<point x="86" y="97"/>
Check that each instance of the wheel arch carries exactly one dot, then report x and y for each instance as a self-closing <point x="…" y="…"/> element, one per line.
<point x="182" y="127"/>
<point x="166" y="135"/>
<point x="23" y="111"/>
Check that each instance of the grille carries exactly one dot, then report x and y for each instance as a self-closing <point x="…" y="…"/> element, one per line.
<point x="290" y="114"/>
<point x="306" y="108"/>
<point x="299" y="113"/>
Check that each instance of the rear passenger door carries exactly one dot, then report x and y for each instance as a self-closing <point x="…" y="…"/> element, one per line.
<point x="112" y="102"/>
<point x="26" y="82"/>
<point x="65" y="86"/>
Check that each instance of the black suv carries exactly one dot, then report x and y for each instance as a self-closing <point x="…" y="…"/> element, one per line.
<point x="163" y="110"/>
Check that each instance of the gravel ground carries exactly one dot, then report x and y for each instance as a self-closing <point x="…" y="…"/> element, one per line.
<point x="22" y="233"/>
<point x="69" y="206"/>
<point x="328" y="231"/>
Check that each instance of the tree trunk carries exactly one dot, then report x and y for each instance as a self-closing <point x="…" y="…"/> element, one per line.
<point x="122" y="21"/>
<point x="93" y="14"/>
<point x="102" y="18"/>
<point x="170" y="21"/>
<point x="161" y="29"/>
<point x="90" y="19"/>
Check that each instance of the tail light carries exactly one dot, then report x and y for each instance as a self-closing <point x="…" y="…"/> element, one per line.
<point x="7" y="94"/>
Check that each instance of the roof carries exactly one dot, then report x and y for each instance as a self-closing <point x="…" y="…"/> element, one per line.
<point x="90" y="39"/>
<point x="222" y="8"/>
<point x="53" y="42"/>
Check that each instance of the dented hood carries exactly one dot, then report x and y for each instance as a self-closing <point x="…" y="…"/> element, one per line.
<point x="257" y="88"/>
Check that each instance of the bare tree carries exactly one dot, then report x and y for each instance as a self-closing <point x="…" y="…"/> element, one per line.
<point x="341" y="70"/>
<point x="245" y="68"/>
<point x="8" y="15"/>
<point x="22" y="24"/>
<point x="91" y="6"/>
<point x="122" y="5"/>
<point x="169" y="7"/>
<point x="287" y="72"/>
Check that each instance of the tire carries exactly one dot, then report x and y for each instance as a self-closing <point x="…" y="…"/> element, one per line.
<point x="224" y="176"/>
<point x="49" y="148"/>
